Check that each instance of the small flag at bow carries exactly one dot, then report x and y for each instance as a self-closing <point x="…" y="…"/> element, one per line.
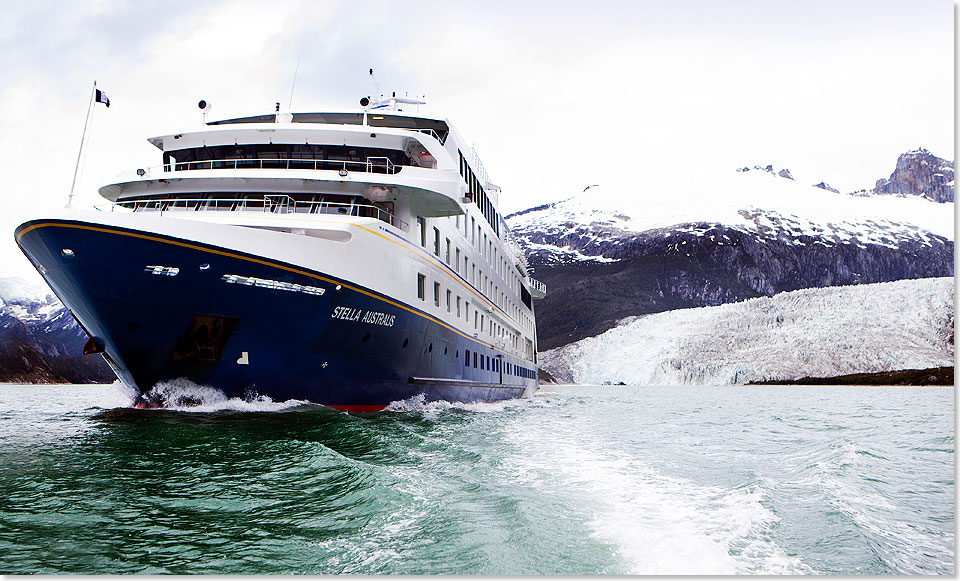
<point x="102" y="98"/>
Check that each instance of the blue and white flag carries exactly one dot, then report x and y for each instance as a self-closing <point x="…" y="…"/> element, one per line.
<point x="102" y="98"/>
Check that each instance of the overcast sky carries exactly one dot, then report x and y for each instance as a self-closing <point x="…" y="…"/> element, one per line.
<point x="554" y="96"/>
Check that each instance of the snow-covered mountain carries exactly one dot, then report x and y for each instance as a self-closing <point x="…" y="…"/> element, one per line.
<point x="813" y="332"/>
<point x="609" y="252"/>
<point x="39" y="339"/>
<point x="598" y="220"/>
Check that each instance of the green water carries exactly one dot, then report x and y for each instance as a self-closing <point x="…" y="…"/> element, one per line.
<point x="575" y="481"/>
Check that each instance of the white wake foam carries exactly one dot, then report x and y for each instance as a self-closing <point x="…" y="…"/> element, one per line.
<point x="658" y="524"/>
<point x="185" y="395"/>
<point x="419" y="403"/>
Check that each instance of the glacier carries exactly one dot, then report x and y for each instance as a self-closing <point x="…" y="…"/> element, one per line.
<point x="818" y="332"/>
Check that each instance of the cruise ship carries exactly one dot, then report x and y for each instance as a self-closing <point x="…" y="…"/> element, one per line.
<point x="351" y="258"/>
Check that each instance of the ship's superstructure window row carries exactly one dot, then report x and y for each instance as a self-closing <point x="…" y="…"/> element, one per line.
<point x="486" y="285"/>
<point x="288" y="156"/>
<point x="479" y="196"/>
<point x="505" y="333"/>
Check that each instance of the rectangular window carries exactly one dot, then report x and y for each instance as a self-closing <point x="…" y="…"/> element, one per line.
<point x="476" y="319"/>
<point x="449" y="294"/>
<point x="421" y="286"/>
<point x="458" y="260"/>
<point x="466" y="363"/>
<point x="436" y="241"/>
<point x="436" y="294"/>
<point x="474" y="359"/>
<point x="422" y="231"/>
<point x="447" y="259"/>
<point x="458" y="306"/>
<point x="473" y="222"/>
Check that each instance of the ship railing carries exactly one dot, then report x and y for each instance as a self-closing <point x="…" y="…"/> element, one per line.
<point x="514" y="248"/>
<point x="432" y="134"/>
<point x="372" y="165"/>
<point x="537" y="287"/>
<point x="268" y="204"/>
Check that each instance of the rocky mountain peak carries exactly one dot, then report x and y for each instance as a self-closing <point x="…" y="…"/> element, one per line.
<point x="920" y="173"/>
<point x="784" y="173"/>
<point x="826" y="186"/>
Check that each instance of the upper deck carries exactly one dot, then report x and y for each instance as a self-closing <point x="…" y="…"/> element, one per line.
<point x="437" y="128"/>
<point x="381" y="157"/>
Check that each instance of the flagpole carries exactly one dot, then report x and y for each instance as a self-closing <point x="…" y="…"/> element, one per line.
<point x="83" y="138"/>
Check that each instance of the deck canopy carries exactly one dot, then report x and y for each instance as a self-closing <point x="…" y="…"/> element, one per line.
<point x="374" y="119"/>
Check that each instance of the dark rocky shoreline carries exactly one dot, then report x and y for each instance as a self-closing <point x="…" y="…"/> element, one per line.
<point x="931" y="376"/>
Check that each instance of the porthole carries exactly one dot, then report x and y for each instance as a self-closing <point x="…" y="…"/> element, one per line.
<point x="365" y="338"/>
<point x="430" y="348"/>
<point x="444" y="350"/>
<point x="405" y="341"/>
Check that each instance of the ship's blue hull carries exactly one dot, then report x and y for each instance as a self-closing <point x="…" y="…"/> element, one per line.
<point x="164" y="308"/>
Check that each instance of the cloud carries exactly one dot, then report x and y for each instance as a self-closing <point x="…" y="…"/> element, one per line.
<point x="553" y="98"/>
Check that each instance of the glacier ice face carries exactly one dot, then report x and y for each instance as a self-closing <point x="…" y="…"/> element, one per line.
<point x="819" y="332"/>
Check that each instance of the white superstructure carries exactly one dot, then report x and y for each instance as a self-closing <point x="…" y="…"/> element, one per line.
<point x="399" y="198"/>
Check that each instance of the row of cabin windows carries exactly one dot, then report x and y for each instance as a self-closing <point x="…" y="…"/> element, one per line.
<point x="445" y="298"/>
<point x="479" y="196"/>
<point x="474" y="232"/>
<point x="470" y="273"/>
<point x="474" y="275"/>
<point x="494" y="364"/>
<point x="187" y="158"/>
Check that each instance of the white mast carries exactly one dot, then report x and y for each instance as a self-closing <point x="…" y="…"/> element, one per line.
<point x="83" y="138"/>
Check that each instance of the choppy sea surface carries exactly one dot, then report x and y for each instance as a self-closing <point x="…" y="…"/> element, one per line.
<point x="577" y="480"/>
